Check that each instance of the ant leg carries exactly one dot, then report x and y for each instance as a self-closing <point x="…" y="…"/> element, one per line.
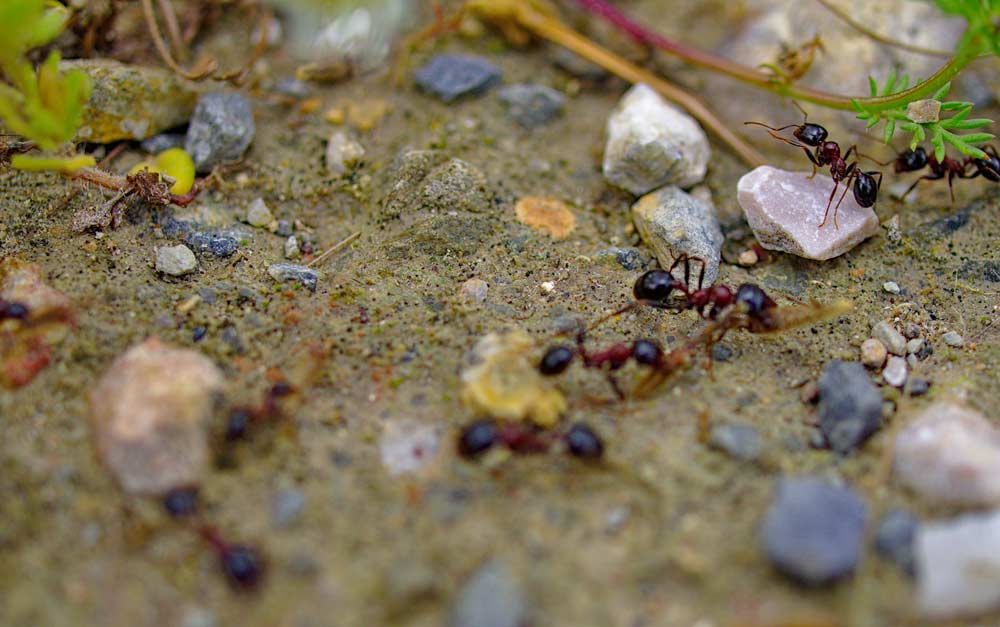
<point x="847" y="155"/>
<point x="814" y="160"/>
<point x="780" y="128"/>
<point x="826" y="214"/>
<point x="910" y="189"/>
<point x="951" y="190"/>
<point x="616" y="387"/>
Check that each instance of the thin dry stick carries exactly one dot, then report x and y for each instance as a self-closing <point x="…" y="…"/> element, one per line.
<point x="556" y="32"/>
<point x="335" y="249"/>
<point x="882" y="39"/>
<point x="201" y="70"/>
<point x="173" y="28"/>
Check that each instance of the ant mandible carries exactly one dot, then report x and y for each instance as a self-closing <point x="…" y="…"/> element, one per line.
<point x="812" y="139"/>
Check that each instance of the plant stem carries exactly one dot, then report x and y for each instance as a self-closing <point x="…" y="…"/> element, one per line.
<point x="716" y="63"/>
<point x="556" y="32"/>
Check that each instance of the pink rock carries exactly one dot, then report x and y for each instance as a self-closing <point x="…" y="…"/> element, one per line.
<point x="150" y="412"/>
<point x="950" y="455"/>
<point x="785" y="208"/>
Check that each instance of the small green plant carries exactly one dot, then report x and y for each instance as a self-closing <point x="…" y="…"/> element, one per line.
<point x="43" y="105"/>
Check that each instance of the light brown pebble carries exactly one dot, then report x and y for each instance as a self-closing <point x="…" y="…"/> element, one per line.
<point x="149" y="413"/>
<point x="547" y="214"/>
<point x="873" y="353"/>
<point x="474" y="290"/>
<point x="748" y="257"/>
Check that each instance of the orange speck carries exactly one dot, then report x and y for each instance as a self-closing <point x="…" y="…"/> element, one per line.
<point x="547" y="214"/>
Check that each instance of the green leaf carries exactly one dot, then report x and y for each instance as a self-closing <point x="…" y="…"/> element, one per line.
<point x="942" y="92"/>
<point x="890" y="130"/>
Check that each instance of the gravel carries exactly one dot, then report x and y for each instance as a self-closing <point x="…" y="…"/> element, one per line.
<point x="452" y="76"/>
<point x="888" y="335"/>
<point x="742" y="442"/>
<point x="308" y="277"/>
<point x="220" y="131"/>
<point x="894" y="539"/>
<point x="531" y="105"/>
<point x="490" y="598"/>
<point x="850" y="406"/>
<point x="175" y="260"/>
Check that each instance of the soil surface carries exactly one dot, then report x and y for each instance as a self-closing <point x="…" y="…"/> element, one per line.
<point x="662" y="532"/>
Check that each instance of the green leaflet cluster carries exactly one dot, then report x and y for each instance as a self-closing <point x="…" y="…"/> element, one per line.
<point x="942" y="132"/>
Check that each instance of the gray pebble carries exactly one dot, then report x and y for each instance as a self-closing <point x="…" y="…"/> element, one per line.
<point x="740" y="441"/>
<point x="451" y="76"/>
<point x="175" y="260"/>
<point x="813" y="530"/>
<point x="952" y="338"/>
<point x="913" y="346"/>
<point x="722" y="352"/>
<point x="911" y="331"/>
<point x="531" y="105"/>
<point x="888" y="335"/>
<point x="292" y="248"/>
<point x="894" y="539"/>
<point x="287" y="507"/>
<point x="850" y="406"/>
<point x="672" y="222"/>
<point x="491" y="598"/>
<point x="217" y="243"/>
<point x="292" y="87"/>
<point x="892" y="287"/>
<point x="220" y="131"/>
<point x="232" y="337"/>
<point x="919" y="387"/>
<point x="208" y="295"/>
<point x="628" y="258"/>
<point x="258" y="213"/>
<point x="294" y="272"/>
<point x="284" y="228"/>
<point x="165" y="141"/>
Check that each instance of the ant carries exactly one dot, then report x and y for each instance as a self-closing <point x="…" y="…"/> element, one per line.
<point x="10" y="310"/>
<point x="812" y="139"/>
<point x="917" y="159"/>
<point x="240" y="418"/>
<point x="241" y="564"/>
<point x="480" y="436"/>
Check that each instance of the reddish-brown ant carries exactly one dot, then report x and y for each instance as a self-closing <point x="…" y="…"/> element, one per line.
<point x="480" y="436"/>
<point x="241" y="564"/>
<point x="812" y="139"/>
<point x="917" y="159"/>
<point x="10" y="310"/>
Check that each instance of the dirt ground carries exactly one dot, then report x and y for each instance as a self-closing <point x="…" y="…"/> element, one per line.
<point x="663" y="532"/>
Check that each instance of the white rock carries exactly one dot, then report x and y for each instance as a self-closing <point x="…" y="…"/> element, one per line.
<point x="886" y="333"/>
<point x="258" y="213"/>
<point x="408" y="446"/>
<point x="292" y="250"/>
<point x="342" y="153"/>
<point x="652" y="143"/>
<point x="950" y="455"/>
<point x="784" y="209"/>
<point x="474" y="290"/>
<point x="958" y="566"/>
<point x="150" y="414"/>
<point x="895" y="372"/>
<point x="175" y="260"/>
<point x="672" y="222"/>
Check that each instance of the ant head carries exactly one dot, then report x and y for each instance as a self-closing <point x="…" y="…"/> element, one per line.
<point x="654" y="286"/>
<point x="556" y="360"/>
<point x="754" y="299"/>
<point x="476" y="438"/>
<point x="810" y="134"/>
<point x="646" y="352"/>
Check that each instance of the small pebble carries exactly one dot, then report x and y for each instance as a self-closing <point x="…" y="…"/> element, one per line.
<point x="652" y="143"/>
<point x="895" y="372"/>
<point x="873" y="353"/>
<point x="784" y="210"/>
<point x="722" y="352"/>
<point x="288" y="505"/>
<point x="950" y="455"/>
<point x="292" y="248"/>
<point x="308" y="277"/>
<point x="284" y="228"/>
<point x="958" y="566"/>
<point x="150" y="413"/>
<point x="850" y="406"/>
<point x="888" y="335"/>
<point x="452" y="76"/>
<point x="490" y="598"/>
<point x="742" y="442"/>
<point x="892" y="287"/>
<point x="748" y="257"/>
<point x="175" y="260"/>
<point x="343" y="153"/>
<point x="160" y="143"/>
<point x="531" y="105"/>
<point x="672" y="222"/>
<point x="408" y="446"/>
<point x="258" y="214"/>
<point x="546" y="214"/>
<point x="912" y="361"/>
<point x="951" y="338"/>
<point x="474" y="290"/>
<point x="181" y="502"/>
<point x="895" y="537"/>
<point x="911" y="331"/>
<point x="198" y="334"/>
<point x="218" y="244"/>
<point x="220" y="131"/>
<point x="813" y="530"/>
<point x="913" y="346"/>
<point x="628" y="258"/>
<point x="919" y="387"/>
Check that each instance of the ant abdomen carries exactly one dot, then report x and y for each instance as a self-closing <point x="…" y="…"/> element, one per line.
<point x="654" y="286"/>
<point x="911" y="160"/>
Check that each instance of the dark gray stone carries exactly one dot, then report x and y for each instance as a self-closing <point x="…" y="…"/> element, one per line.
<point x="721" y="352"/>
<point x="850" y="406"/>
<point x="208" y="295"/>
<point x="451" y="76"/>
<point x="284" y="228"/>
<point x="918" y="387"/>
<point x="740" y="441"/>
<point x="292" y="87"/>
<point x="491" y="598"/>
<point x="217" y="243"/>
<point x="531" y="105"/>
<point x="813" y="530"/>
<point x="628" y="258"/>
<point x="221" y="130"/>
<point x="294" y="272"/>
<point x="894" y="539"/>
<point x="165" y="141"/>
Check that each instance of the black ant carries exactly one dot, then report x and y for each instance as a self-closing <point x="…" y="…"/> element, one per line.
<point x="241" y="564"/>
<point x="480" y="436"/>
<point x="10" y="310"/>
<point x="812" y="139"/>
<point x="918" y="159"/>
